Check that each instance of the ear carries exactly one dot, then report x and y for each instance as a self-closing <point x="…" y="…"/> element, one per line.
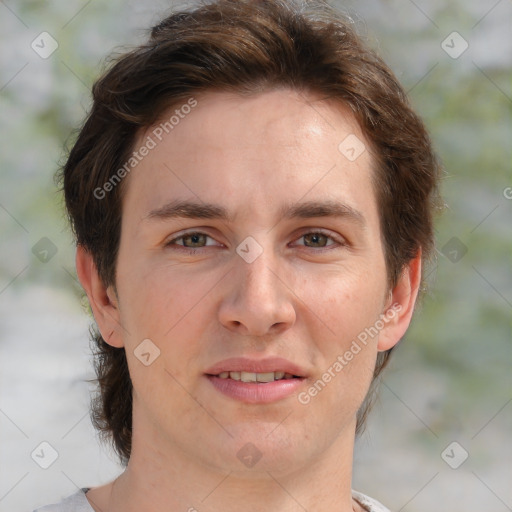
<point x="400" y="305"/>
<point x="103" y="301"/>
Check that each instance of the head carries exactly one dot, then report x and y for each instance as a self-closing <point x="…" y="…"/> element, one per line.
<point x="249" y="110"/>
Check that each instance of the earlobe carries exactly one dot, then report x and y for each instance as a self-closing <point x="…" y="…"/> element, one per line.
<point x="401" y="304"/>
<point x="103" y="300"/>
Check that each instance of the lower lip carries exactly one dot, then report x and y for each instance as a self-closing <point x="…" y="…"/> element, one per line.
<point x="253" y="393"/>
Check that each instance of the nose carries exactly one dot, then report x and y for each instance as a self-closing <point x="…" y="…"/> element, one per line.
<point x="257" y="301"/>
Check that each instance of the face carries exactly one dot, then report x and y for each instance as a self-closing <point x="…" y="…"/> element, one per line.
<point x="247" y="232"/>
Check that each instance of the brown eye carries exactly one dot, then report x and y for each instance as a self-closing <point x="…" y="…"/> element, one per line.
<point x="315" y="240"/>
<point x="194" y="240"/>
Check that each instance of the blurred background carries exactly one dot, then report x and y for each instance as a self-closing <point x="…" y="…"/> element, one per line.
<point x="439" y="435"/>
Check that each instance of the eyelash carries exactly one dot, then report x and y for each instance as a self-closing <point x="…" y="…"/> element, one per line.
<point x="336" y="243"/>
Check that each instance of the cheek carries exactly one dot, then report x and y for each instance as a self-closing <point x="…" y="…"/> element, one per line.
<point x="339" y="314"/>
<point x="160" y="303"/>
<point x="164" y="306"/>
<point x="345" y="301"/>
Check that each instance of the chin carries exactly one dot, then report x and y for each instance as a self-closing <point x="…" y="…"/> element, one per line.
<point x="266" y="447"/>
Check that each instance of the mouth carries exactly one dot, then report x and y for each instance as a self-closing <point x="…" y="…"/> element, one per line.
<point x="259" y="378"/>
<point x="256" y="388"/>
<point x="257" y="381"/>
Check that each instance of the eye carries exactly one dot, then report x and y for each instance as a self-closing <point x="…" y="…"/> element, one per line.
<point x="316" y="240"/>
<point x="320" y="241"/>
<point x="194" y="240"/>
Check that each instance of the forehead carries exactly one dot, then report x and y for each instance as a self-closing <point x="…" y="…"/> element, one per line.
<point x="253" y="153"/>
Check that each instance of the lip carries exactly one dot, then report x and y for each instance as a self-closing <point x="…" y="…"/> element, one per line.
<point x="253" y="393"/>
<point x="244" y="364"/>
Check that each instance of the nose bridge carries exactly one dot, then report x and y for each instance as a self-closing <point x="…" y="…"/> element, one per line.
<point x="257" y="283"/>
<point x="257" y="301"/>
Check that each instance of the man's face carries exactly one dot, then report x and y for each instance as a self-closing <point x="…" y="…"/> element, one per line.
<point x="294" y="269"/>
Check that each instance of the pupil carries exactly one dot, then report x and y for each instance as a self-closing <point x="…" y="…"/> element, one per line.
<point x="196" y="239"/>
<point x="316" y="239"/>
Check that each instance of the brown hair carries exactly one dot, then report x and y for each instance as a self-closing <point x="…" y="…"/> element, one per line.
<point x="244" y="47"/>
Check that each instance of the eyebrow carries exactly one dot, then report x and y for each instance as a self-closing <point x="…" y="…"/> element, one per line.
<point x="311" y="209"/>
<point x="189" y="210"/>
<point x="306" y="210"/>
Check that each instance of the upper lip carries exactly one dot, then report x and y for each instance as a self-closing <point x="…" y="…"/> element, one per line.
<point x="244" y="364"/>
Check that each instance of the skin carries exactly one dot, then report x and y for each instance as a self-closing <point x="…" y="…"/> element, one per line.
<point x="305" y="298"/>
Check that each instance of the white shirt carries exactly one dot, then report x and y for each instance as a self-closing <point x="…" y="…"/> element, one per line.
<point x="79" y="503"/>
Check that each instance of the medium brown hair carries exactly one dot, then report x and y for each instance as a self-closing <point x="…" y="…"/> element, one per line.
<point x="245" y="47"/>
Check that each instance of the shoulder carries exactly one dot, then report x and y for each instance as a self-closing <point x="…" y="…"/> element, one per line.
<point x="368" y="503"/>
<point x="75" y="503"/>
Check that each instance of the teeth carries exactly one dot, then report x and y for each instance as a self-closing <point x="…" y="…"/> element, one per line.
<point x="255" y="377"/>
<point x="265" y="377"/>
<point x="247" y="377"/>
